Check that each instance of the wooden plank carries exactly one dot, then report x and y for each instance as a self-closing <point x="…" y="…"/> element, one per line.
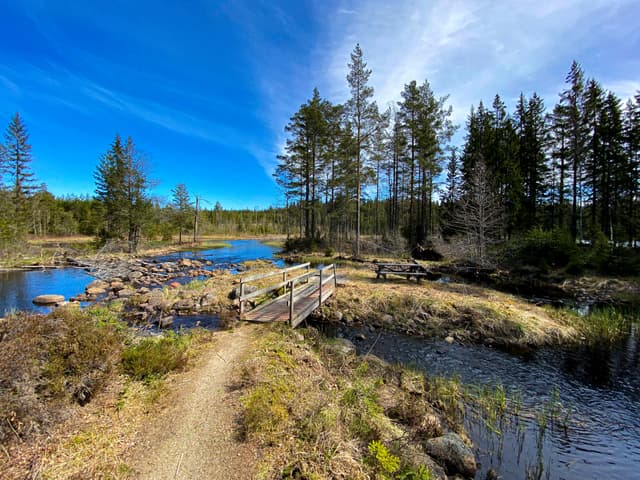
<point x="304" y="298"/>
<point x="259" y="276"/>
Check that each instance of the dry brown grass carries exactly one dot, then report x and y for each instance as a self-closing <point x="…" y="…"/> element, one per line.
<point x="464" y="311"/>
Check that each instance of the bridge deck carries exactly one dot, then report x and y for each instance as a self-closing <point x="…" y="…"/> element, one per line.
<point x="305" y="298"/>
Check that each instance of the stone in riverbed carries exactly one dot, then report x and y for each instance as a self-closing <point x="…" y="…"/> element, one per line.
<point x="451" y="451"/>
<point x="342" y="347"/>
<point x="49" y="299"/>
<point x="414" y="455"/>
<point x="165" y="322"/>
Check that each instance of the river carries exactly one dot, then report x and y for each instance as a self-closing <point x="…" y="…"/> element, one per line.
<point x="19" y="287"/>
<point x="596" y="390"/>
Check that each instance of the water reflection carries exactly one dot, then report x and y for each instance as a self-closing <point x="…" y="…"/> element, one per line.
<point x="599" y="389"/>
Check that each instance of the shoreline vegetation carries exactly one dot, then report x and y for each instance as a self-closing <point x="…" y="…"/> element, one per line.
<point x="308" y="404"/>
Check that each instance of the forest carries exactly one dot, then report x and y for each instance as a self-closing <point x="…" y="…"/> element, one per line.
<point x="570" y="172"/>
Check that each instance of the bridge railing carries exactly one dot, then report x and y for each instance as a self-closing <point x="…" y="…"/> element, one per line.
<point x="327" y="275"/>
<point x="261" y="276"/>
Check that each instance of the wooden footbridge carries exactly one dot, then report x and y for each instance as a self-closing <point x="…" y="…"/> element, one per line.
<point x="295" y="296"/>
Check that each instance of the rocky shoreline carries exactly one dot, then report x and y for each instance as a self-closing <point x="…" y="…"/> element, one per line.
<point x="153" y="292"/>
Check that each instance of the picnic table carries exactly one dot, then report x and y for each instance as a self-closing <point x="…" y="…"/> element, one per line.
<point x="406" y="270"/>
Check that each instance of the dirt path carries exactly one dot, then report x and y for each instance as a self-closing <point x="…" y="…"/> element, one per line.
<point x="196" y="437"/>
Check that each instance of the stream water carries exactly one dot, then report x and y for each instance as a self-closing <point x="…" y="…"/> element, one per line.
<point x="18" y="287"/>
<point x="596" y="391"/>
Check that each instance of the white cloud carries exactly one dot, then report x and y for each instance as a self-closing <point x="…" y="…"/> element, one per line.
<point x="624" y="89"/>
<point x="469" y="49"/>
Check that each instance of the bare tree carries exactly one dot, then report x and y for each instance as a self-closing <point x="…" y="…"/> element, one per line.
<point x="479" y="215"/>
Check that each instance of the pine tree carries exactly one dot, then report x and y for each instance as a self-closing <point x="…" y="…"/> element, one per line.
<point x="181" y="204"/>
<point x="362" y="112"/>
<point x="572" y="103"/>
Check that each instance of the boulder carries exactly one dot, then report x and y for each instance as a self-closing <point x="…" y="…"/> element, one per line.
<point x="451" y="451"/>
<point x="235" y="293"/>
<point x="126" y="292"/>
<point x="116" y="285"/>
<point x="97" y="284"/>
<point x="135" y="275"/>
<point x="95" y="291"/>
<point x="49" y="299"/>
<point x="165" y="322"/>
<point x="414" y="455"/>
<point x="342" y="347"/>
<point x="186" y="304"/>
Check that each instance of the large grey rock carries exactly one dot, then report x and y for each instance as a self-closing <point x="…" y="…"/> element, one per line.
<point x="415" y="456"/>
<point x="49" y="299"/>
<point x="165" y="322"/>
<point x="135" y="275"/>
<point x="342" y="347"/>
<point x="186" y="305"/>
<point x="452" y="452"/>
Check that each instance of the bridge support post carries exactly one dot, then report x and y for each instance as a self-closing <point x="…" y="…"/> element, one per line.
<point x="291" y="288"/>
<point x="240" y="297"/>
<point x="320" y="291"/>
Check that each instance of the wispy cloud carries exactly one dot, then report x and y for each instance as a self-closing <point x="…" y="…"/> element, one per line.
<point x="470" y="49"/>
<point x="624" y="89"/>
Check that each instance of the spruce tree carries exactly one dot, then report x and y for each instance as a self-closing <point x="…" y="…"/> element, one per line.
<point x="181" y="204"/>
<point x="18" y="169"/>
<point x="121" y="189"/>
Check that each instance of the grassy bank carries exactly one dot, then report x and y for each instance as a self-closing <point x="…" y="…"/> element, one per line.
<point x="464" y="312"/>
<point x="318" y="411"/>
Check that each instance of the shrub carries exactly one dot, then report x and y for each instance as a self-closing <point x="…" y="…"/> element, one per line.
<point x="543" y="249"/>
<point x="154" y="357"/>
<point x="48" y="361"/>
<point x="382" y="459"/>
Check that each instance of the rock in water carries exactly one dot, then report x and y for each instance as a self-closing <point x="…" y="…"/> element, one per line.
<point x="165" y="322"/>
<point x="49" y="299"/>
<point x="451" y="451"/>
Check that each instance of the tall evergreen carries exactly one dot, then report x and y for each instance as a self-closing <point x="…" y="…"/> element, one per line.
<point x="362" y="113"/>
<point x="572" y="102"/>
<point x="17" y="163"/>
<point x="121" y="189"/>
<point x="182" y="207"/>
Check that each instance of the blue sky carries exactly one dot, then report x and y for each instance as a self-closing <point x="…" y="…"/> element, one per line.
<point x="206" y="87"/>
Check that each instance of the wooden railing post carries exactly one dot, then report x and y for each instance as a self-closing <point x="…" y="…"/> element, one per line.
<point x="335" y="278"/>
<point x="291" y="287"/>
<point x="241" y="295"/>
<point x="320" y="296"/>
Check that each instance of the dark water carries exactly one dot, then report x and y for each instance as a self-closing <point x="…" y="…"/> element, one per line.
<point x="597" y="434"/>
<point x="18" y="288"/>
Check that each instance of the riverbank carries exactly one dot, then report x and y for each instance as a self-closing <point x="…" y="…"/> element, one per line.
<point x="455" y="311"/>
<point x="60" y="252"/>
<point x="305" y="403"/>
